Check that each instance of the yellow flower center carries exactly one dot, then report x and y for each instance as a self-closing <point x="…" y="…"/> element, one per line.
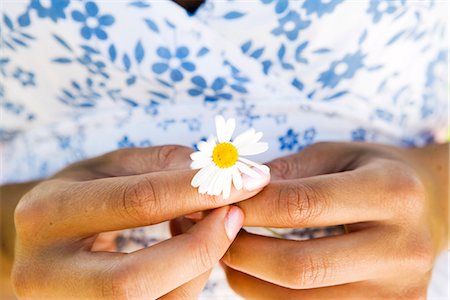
<point x="225" y="155"/>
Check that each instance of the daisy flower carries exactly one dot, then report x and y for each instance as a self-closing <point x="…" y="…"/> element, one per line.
<point x="221" y="160"/>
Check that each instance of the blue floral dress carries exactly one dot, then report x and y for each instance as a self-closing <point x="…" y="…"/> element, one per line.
<point x="83" y="77"/>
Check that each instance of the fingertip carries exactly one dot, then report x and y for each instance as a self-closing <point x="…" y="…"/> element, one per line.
<point x="234" y="221"/>
<point x="252" y="184"/>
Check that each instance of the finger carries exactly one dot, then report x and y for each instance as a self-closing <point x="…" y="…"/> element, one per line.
<point x="327" y="200"/>
<point x="318" y="159"/>
<point x="145" y="274"/>
<point x="193" y="288"/>
<point x="253" y="288"/>
<point x="190" y="290"/>
<point x="164" y="267"/>
<point x="130" y="161"/>
<point x="313" y="263"/>
<point x="110" y="204"/>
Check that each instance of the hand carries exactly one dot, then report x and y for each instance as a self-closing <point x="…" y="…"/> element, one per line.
<point x="392" y="201"/>
<point x="58" y="223"/>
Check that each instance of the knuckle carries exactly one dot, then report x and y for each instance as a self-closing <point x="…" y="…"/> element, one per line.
<point x="23" y="212"/>
<point x="166" y="154"/>
<point x="312" y="272"/>
<point x="38" y="208"/>
<point x="301" y="202"/>
<point x="284" y="168"/>
<point x="31" y="209"/>
<point x="204" y="253"/>
<point x="421" y="254"/>
<point x="20" y="280"/>
<point x="115" y="285"/>
<point x="139" y="200"/>
<point x="28" y="276"/>
<point x="407" y="189"/>
<point x="125" y="283"/>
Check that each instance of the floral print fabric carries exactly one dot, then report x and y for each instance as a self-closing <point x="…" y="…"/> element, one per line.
<point x="83" y="77"/>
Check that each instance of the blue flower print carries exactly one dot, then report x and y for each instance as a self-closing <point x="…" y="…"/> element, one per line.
<point x="432" y="69"/>
<point x="289" y="140"/>
<point x="309" y="136"/>
<point x="280" y="7"/>
<point x="24" y="77"/>
<point x="379" y="7"/>
<point x="125" y="143"/>
<point x="53" y="9"/>
<point x="152" y="108"/>
<point x="94" y="67"/>
<point x="320" y="7"/>
<point x="340" y="69"/>
<point x="359" y="134"/>
<point x="93" y="23"/>
<point x="211" y="93"/>
<point x="175" y="63"/>
<point x="290" y="25"/>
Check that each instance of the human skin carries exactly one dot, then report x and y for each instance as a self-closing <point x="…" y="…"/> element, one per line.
<point x="392" y="201"/>
<point x="66" y="226"/>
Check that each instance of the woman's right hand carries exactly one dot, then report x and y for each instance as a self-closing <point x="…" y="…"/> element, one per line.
<point x="59" y="220"/>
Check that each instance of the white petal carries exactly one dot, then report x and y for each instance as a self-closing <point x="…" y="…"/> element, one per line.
<point x="202" y="175"/>
<point x="218" y="183"/>
<point x="253" y="149"/>
<point x="227" y="184"/>
<point x="247" y="170"/>
<point x="212" y="140"/>
<point x="207" y="182"/>
<point x="201" y="163"/>
<point x="202" y="189"/>
<point x="230" y="126"/>
<point x="206" y="147"/>
<point x="237" y="178"/>
<point x="251" y="140"/>
<point x="212" y="183"/>
<point x="198" y="155"/>
<point x="256" y="137"/>
<point x="243" y="137"/>
<point x="221" y="129"/>
<point x="263" y="168"/>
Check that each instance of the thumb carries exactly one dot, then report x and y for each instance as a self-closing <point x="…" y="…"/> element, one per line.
<point x="193" y="288"/>
<point x="174" y="262"/>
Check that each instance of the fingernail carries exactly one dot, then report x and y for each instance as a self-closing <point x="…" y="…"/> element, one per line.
<point x="195" y="216"/>
<point x="251" y="183"/>
<point x="233" y="222"/>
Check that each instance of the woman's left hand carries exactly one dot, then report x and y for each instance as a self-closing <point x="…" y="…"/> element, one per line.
<point x="392" y="201"/>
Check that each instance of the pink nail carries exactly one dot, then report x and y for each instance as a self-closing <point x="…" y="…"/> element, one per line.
<point x="251" y="183"/>
<point x="233" y="222"/>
